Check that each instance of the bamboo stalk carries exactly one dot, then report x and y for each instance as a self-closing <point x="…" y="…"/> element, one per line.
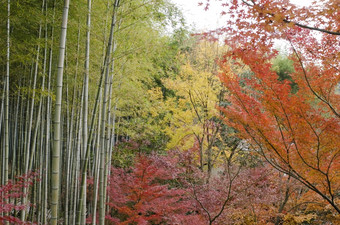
<point x="56" y="121"/>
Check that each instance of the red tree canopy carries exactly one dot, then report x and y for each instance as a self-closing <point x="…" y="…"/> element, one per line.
<point x="298" y="133"/>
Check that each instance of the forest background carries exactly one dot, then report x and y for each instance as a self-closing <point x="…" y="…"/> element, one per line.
<point x="109" y="118"/>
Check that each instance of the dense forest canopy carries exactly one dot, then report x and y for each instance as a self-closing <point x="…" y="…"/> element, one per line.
<point x="116" y="112"/>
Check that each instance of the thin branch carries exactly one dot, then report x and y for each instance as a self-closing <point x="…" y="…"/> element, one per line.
<point x="308" y="83"/>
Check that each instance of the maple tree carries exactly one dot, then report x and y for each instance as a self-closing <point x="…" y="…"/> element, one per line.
<point x="11" y="193"/>
<point x="234" y="195"/>
<point x="143" y="195"/>
<point x="297" y="133"/>
<point x="237" y="192"/>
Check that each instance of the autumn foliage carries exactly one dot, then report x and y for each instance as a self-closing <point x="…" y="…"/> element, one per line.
<point x="143" y="195"/>
<point x="171" y="189"/>
<point x="297" y="133"/>
<point x="10" y="195"/>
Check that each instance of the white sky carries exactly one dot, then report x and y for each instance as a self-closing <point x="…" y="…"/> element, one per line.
<point x="202" y="20"/>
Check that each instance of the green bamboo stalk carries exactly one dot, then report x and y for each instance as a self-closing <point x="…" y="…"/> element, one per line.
<point x="6" y="152"/>
<point x="104" y="121"/>
<point x="6" y="146"/>
<point x="108" y="135"/>
<point x="79" y="136"/>
<point x="2" y="103"/>
<point x="55" y="182"/>
<point x="96" y="171"/>
<point x="85" y="110"/>
<point x="15" y="137"/>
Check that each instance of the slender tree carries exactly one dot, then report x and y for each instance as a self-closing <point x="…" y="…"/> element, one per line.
<point x="55" y="182"/>
<point x="6" y="153"/>
<point x="86" y="99"/>
<point x="104" y="118"/>
<point x="6" y="147"/>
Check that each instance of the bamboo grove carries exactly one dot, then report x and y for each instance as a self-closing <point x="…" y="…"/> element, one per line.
<point x="64" y="70"/>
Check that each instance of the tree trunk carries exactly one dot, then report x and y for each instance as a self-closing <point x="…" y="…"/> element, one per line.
<point x="6" y="147"/>
<point x="55" y="182"/>
<point x="6" y="152"/>
<point x="104" y="120"/>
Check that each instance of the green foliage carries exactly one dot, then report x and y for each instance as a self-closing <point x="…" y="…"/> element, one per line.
<point x="143" y="59"/>
<point x="284" y="68"/>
